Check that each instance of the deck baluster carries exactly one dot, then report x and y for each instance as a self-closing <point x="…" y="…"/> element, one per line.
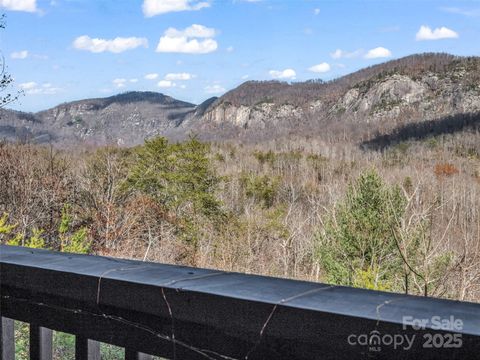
<point x="86" y="349"/>
<point x="7" y="343"/>
<point x="40" y="343"/>
<point x="134" y="355"/>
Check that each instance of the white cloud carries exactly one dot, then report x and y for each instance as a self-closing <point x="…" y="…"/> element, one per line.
<point x="156" y="7"/>
<point x="28" y="85"/>
<point x="151" y="76"/>
<point x="120" y="83"/>
<point x="19" y="5"/>
<point x="465" y="12"/>
<point x="183" y="45"/>
<point x="283" y="74"/>
<point x="168" y="80"/>
<point x="179" y="76"/>
<point x="187" y="40"/>
<point x="339" y="54"/>
<point x="378" y="52"/>
<point x="46" y="89"/>
<point x="230" y="49"/>
<point x="426" y="33"/>
<point x="320" y="68"/>
<point x="166" y="84"/>
<point x="116" y="45"/>
<point x="193" y="31"/>
<point x="33" y="88"/>
<point x="40" y="56"/>
<point x="244" y="77"/>
<point x="316" y="11"/>
<point x="19" y="54"/>
<point x="214" y="89"/>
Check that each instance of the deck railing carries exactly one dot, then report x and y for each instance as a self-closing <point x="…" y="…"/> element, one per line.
<point x="179" y="312"/>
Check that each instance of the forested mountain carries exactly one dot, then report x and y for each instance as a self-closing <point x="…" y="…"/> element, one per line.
<point x="374" y="100"/>
<point x="124" y="119"/>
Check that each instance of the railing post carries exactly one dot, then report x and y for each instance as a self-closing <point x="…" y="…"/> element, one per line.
<point x="40" y="343"/>
<point x="134" y="355"/>
<point x="86" y="349"/>
<point x="7" y="341"/>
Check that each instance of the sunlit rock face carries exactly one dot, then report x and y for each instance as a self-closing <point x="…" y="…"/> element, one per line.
<point x="413" y="89"/>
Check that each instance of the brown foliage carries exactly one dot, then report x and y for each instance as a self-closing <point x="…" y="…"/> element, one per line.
<point x="445" y="169"/>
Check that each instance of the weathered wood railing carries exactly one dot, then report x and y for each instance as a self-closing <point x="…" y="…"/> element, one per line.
<point x="186" y="313"/>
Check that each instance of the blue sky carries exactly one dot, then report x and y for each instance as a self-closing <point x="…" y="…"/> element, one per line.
<point x="63" y="50"/>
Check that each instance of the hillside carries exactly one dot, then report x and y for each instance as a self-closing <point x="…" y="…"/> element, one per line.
<point x="124" y="119"/>
<point x="374" y="100"/>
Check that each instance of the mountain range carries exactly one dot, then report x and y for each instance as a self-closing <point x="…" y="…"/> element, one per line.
<point x="424" y="88"/>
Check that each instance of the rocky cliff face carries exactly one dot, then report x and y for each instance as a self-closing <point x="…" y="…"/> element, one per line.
<point x="373" y="100"/>
<point x="380" y="102"/>
<point x="426" y="97"/>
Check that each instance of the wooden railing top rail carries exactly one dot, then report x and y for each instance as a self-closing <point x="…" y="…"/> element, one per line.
<point x="189" y="313"/>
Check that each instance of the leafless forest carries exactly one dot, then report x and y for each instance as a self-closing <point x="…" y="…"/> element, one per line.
<point x="281" y="208"/>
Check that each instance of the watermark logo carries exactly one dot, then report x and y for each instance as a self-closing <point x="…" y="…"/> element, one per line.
<point x="429" y="338"/>
<point x="375" y="341"/>
<point x="434" y="323"/>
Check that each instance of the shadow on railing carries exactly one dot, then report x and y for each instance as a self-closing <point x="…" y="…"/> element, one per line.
<point x="186" y="313"/>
